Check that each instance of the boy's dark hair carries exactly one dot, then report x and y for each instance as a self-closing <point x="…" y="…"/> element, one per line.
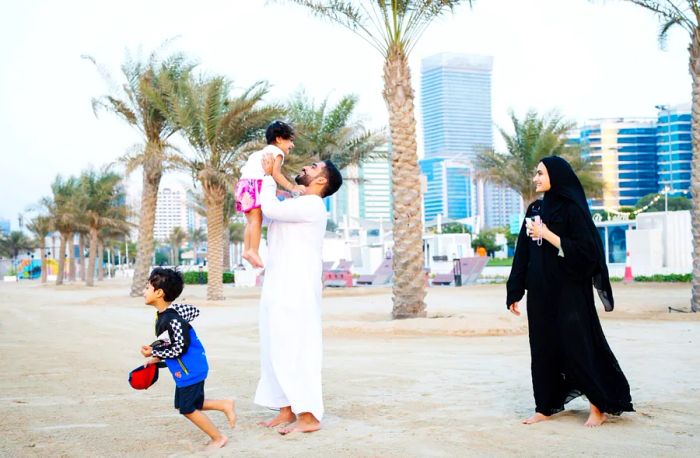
<point x="169" y="280"/>
<point x="278" y="129"/>
<point x="335" y="179"/>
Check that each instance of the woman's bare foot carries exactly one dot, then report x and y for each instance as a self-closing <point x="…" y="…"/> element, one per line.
<point x="284" y="417"/>
<point x="230" y="412"/>
<point x="538" y="417"/>
<point x="217" y="444"/>
<point x="306" y="423"/>
<point x="596" y="418"/>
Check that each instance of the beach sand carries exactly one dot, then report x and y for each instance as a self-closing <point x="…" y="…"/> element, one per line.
<point x="454" y="384"/>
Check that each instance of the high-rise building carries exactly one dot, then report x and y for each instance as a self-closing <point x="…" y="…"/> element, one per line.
<point x="170" y="211"/>
<point x="4" y="226"/>
<point x="456" y="105"/>
<point x="502" y="203"/>
<point x="673" y="147"/>
<point x="457" y="124"/>
<point x="366" y="192"/>
<point x="625" y="152"/>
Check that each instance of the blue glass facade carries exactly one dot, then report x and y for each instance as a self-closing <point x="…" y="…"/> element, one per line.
<point x="457" y="123"/>
<point x="625" y="152"/>
<point x="674" y="148"/>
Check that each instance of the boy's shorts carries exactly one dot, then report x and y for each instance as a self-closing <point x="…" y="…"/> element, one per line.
<point x="189" y="398"/>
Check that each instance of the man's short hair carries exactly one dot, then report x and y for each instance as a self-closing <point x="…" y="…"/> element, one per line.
<point x="169" y="280"/>
<point x="334" y="177"/>
<point x="278" y="129"/>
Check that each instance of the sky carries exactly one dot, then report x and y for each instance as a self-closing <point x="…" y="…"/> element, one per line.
<point x="585" y="58"/>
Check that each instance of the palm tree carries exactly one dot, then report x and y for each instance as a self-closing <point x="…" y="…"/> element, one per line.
<point x="219" y="128"/>
<point x="686" y="14"/>
<point x="62" y="209"/>
<point x="533" y="138"/>
<point x="176" y="238"/>
<point x="141" y="102"/>
<point x="41" y="226"/>
<point x="195" y="238"/>
<point x="393" y="28"/>
<point x="103" y="207"/>
<point x="328" y="132"/>
<point x="13" y="243"/>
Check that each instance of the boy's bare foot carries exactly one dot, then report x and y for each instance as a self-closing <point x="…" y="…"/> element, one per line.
<point x="596" y="418"/>
<point x="538" y="417"/>
<point x="230" y="412"/>
<point x="285" y="416"/>
<point x="217" y="444"/>
<point x="301" y="426"/>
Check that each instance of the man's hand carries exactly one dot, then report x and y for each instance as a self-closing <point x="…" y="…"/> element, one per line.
<point x="268" y="163"/>
<point x="146" y="350"/>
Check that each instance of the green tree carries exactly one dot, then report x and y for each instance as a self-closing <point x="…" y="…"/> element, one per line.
<point x="486" y="239"/>
<point x="326" y="132"/>
<point x="41" y="226"/>
<point x="393" y="28"/>
<point x="103" y="207"/>
<point x="455" y="228"/>
<point x="675" y="203"/>
<point x="219" y="129"/>
<point x="176" y="238"/>
<point x="14" y="243"/>
<point x="533" y="138"/>
<point x="62" y="208"/>
<point x="685" y="14"/>
<point x="142" y="102"/>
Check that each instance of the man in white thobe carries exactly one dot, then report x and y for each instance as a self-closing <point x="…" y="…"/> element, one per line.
<point x="290" y="303"/>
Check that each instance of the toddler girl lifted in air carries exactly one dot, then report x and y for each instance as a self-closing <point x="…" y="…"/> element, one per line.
<point x="280" y="141"/>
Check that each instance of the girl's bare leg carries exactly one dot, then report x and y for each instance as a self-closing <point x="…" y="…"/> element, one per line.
<point x="254" y="232"/>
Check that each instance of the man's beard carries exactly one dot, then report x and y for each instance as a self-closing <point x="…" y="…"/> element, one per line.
<point x="303" y="180"/>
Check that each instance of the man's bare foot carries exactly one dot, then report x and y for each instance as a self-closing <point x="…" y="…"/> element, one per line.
<point x="217" y="444"/>
<point x="306" y="423"/>
<point x="596" y="418"/>
<point x="538" y="417"/>
<point x="230" y="412"/>
<point x="284" y="417"/>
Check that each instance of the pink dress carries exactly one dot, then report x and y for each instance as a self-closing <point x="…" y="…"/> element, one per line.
<point x="248" y="194"/>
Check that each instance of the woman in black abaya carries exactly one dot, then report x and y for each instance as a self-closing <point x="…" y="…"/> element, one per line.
<point x="558" y="256"/>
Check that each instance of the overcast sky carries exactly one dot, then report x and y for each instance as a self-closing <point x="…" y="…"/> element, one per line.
<point x="588" y="59"/>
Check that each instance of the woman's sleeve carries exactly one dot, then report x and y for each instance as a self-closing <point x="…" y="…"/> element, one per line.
<point x="580" y="253"/>
<point x="516" y="280"/>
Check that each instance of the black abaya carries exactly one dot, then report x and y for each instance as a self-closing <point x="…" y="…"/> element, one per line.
<point x="570" y="355"/>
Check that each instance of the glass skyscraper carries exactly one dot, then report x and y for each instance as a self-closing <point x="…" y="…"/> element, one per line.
<point x="456" y="116"/>
<point x="626" y="154"/>
<point x="674" y="148"/>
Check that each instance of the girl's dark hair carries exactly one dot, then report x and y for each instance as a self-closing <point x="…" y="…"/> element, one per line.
<point x="169" y="280"/>
<point x="278" y="129"/>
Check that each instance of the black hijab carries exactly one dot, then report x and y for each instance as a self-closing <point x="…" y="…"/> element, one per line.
<point x="566" y="187"/>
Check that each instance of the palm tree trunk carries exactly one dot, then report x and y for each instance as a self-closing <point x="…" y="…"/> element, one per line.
<point x="214" y="200"/>
<point x="81" y="257"/>
<point x="61" y="258"/>
<point x="695" y="168"/>
<point x="409" y="282"/>
<point x="152" y="174"/>
<point x="227" y="248"/>
<point x="90" y="274"/>
<point x="100" y="260"/>
<point x="42" y="253"/>
<point x="71" y="257"/>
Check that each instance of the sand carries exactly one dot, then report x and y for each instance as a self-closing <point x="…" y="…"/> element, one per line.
<point x="453" y="384"/>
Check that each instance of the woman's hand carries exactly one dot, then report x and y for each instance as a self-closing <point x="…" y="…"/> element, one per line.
<point x="535" y="230"/>
<point x="514" y="309"/>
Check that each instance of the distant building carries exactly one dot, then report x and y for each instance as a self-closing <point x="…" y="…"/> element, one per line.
<point x="171" y="211"/>
<point x="4" y="226"/>
<point x="673" y="147"/>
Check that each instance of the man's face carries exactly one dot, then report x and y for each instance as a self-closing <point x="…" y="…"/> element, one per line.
<point x="310" y="173"/>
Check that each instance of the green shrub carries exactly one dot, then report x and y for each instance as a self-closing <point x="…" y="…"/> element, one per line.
<point x="671" y="278"/>
<point x="192" y="278"/>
